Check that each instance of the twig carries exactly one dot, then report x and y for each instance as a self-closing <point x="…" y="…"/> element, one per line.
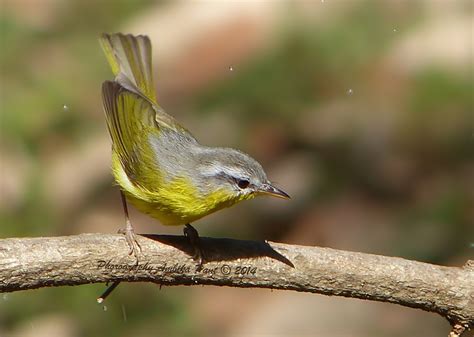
<point x="30" y="263"/>
<point x="107" y="292"/>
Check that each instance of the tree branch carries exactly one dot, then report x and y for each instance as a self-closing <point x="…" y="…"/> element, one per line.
<point x="29" y="263"/>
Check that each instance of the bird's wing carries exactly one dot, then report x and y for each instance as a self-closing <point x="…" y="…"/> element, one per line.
<point x="129" y="57"/>
<point x="130" y="120"/>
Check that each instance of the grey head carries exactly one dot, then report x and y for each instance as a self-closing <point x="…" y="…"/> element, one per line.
<point x="234" y="171"/>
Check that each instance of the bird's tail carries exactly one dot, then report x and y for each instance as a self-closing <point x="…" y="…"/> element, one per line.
<point x="129" y="57"/>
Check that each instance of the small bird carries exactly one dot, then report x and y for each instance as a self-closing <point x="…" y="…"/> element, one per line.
<point x="161" y="168"/>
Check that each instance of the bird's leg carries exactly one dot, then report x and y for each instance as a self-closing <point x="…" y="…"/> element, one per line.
<point x="129" y="233"/>
<point x="192" y="234"/>
<point x="132" y="243"/>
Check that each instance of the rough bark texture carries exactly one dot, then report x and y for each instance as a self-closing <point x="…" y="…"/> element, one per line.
<point x="28" y="263"/>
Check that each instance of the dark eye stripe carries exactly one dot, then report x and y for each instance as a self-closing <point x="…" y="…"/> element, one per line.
<point x="243" y="183"/>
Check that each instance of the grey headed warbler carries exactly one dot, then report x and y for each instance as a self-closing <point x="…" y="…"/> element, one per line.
<point x="161" y="168"/>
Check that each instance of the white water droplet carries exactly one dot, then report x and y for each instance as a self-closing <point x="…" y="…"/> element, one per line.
<point x="231" y="68"/>
<point x="124" y="313"/>
<point x="395" y="30"/>
<point x="350" y="92"/>
<point x="104" y="308"/>
<point x="65" y="107"/>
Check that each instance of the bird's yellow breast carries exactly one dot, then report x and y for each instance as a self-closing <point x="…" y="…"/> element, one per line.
<point x="176" y="202"/>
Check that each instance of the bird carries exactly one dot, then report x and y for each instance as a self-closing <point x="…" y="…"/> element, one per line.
<point x="158" y="164"/>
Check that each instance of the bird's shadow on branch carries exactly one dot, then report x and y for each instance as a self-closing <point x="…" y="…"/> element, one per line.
<point x="222" y="249"/>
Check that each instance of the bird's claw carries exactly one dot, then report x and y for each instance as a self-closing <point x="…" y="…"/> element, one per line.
<point x="193" y="236"/>
<point x="131" y="238"/>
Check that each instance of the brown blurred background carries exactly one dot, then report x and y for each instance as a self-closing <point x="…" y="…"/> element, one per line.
<point x="361" y="110"/>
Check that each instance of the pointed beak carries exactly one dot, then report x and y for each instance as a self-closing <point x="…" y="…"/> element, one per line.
<point x="273" y="191"/>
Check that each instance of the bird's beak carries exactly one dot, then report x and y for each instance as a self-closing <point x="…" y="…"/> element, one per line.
<point x="273" y="191"/>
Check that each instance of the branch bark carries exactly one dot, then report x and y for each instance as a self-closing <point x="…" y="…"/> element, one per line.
<point x="29" y="263"/>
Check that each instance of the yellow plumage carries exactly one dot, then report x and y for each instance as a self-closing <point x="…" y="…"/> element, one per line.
<point x="175" y="203"/>
<point x="161" y="168"/>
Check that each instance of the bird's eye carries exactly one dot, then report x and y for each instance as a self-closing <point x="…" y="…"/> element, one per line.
<point x="243" y="183"/>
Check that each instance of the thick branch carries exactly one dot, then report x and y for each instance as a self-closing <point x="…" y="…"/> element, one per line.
<point x="91" y="258"/>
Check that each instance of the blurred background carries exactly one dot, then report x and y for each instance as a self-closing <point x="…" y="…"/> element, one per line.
<point x="361" y="110"/>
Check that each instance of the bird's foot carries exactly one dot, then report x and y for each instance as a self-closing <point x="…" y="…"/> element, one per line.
<point x="131" y="238"/>
<point x="193" y="236"/>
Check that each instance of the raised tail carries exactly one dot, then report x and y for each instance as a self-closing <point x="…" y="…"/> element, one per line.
<point x="129" y="57"/>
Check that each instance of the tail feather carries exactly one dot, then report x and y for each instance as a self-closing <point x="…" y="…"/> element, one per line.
<point x="129" y="57"/>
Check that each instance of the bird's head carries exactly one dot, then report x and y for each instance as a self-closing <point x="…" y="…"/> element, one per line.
<point x="236" y="174"/>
